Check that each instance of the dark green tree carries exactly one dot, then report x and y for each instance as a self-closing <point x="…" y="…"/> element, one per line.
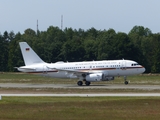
<point x="4" y="42"/>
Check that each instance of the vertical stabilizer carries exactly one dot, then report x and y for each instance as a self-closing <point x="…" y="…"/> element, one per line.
<point x="29" y="56"/>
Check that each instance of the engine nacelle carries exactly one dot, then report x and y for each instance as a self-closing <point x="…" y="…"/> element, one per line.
<point x="98" y="77"/>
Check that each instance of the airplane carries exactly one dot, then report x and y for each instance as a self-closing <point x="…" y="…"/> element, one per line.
<point x="87" y="71"/>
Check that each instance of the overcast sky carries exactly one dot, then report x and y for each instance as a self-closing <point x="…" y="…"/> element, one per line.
<point x="121" y="15"/>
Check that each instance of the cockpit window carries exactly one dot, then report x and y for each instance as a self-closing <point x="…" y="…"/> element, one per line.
<point x="135" y="64"/>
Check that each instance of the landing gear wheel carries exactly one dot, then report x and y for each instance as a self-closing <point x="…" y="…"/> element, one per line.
<point x="126" y="82"/>
<point x="79" y="83"/>
<point x="87" y="83"/>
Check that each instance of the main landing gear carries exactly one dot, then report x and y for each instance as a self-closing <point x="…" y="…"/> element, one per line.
<point x="125" y="80"/>
<point x="80" y="83"/>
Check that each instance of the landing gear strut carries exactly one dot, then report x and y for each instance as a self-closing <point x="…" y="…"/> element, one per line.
<point x="125" y="80"/>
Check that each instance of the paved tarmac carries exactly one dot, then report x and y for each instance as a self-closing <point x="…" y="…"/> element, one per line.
<point x="90" y="95"/>
<point x="74" y="86"/>
<point x="65" y="86"/>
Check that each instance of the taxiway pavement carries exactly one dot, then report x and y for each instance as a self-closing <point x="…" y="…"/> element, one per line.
<point x="70" y="86"/>
<point x="87" y="95"/>
<point x="106" y="86"/>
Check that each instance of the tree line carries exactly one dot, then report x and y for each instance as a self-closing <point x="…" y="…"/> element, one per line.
<point x="53" y="45"/>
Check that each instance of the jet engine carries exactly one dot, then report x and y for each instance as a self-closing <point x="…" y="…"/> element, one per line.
<point x="98" y="77"/>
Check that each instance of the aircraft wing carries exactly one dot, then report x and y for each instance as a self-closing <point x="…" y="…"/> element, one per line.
<point x="75" y="72"/>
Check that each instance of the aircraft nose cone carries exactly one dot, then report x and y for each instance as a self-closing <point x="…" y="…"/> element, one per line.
<point x="143" y="69"/>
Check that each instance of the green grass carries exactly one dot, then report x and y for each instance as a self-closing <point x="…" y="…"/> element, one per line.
<point x="30" y="78"/>
<point x="80" y="108"/>
<point x="146" y="79"/>
<point x="143" y="79"/>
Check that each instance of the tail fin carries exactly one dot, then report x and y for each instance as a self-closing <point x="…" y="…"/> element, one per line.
<point x="29" y="56"/>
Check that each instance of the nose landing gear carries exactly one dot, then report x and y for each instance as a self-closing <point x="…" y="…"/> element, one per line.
<point x="125" y="80"/>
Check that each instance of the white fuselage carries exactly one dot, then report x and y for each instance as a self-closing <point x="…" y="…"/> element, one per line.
<point x="111" y="68"/>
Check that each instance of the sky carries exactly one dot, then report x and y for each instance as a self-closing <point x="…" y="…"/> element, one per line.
<point x="120" y="15"/>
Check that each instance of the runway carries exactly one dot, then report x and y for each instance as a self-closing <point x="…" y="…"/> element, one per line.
<point x="74" y="86"/>
<point x="86" y="95"/>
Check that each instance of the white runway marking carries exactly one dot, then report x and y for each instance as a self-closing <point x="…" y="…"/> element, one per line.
<point x="89" y="95"/>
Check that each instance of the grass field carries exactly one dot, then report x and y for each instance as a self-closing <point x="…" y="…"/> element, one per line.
<point x="29" y="78"/>
<point x="80" y="108"/>
<point x="144" y="79"/>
